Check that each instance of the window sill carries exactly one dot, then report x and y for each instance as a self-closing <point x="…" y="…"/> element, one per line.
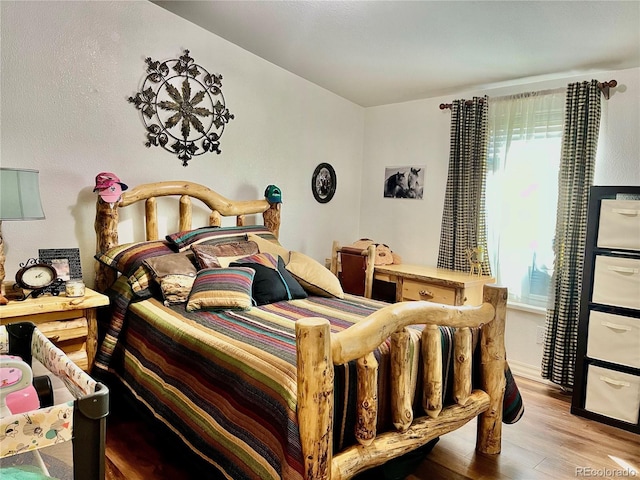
<point x="526" y="308"/>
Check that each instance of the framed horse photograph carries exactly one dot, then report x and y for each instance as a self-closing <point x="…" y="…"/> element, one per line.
<point x="404" y="182"/>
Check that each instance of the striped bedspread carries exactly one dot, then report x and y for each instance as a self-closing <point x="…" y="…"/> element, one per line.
<point x="225" y="382"/>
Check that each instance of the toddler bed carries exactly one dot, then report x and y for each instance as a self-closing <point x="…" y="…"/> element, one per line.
<point x="257" y="360"/>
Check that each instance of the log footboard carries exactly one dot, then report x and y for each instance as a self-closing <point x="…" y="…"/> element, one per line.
<point x="319" y="351"/>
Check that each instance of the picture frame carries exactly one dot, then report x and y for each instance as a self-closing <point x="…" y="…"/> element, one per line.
<point x="66" y="261"/>
<point x="324" y="183"/>
<point x="404" y="182"/>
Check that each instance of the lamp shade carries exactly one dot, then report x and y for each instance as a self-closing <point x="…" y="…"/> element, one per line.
<point x="20" y="195"/>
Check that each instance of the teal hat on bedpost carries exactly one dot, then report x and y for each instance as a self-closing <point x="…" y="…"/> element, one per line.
<point x="273" y="194"/>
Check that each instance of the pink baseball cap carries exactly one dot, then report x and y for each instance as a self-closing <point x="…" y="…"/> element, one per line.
<point x="109" y="187"/>
<point x="111" y="194"/>
<point x="105" y="180"/>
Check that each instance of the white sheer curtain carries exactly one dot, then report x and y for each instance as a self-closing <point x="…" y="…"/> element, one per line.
<point x="525" y="133"/>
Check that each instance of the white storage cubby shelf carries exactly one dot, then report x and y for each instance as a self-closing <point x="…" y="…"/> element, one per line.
<point x="607" y="372"/>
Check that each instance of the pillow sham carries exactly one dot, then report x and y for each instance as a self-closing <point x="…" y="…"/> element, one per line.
<point x="313" y="276"/>
<point x="128" y="259"/>
<point x="221" y="289"/>
<point x="175" y="274"/>
<point x="181" y="241"/>
<point x="272" y="282"/>
<point x="220" y="255"/>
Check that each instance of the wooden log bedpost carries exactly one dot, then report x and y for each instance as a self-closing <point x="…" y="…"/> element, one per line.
<point x="271" y="218"/>
<point x="315" y="396"/>
<point x="492" y="364"/>
<point x="106" y="227"/>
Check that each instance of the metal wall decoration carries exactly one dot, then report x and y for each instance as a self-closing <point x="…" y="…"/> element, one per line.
<point x="182" y="107"/>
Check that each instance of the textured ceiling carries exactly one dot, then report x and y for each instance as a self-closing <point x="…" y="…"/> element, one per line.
<point x="380" y="52"/>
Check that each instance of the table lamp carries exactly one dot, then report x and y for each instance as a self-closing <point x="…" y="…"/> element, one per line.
<point x="19" y="200"/>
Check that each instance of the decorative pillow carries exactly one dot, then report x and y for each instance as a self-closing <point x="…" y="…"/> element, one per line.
<point x="213" y="256"/>
<point x="271" y="246"/>
<point x="176" y="288"/>
<point x="128" y="259"/>
<point x="221" y="289"/>
<point x="272" y="282"/>
<point x="314" y="277"/>
<point x="175" y="273"/>
<point x="204" y="257"/>
<point x="172" y="264"/>
<point x="212" y="235"/>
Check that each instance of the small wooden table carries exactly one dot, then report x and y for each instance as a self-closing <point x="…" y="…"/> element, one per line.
<point x="69" y="322"/>
<point x="419" y="282"/>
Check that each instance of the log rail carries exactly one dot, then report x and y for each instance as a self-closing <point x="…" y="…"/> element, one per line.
<point x="319" y="351"/>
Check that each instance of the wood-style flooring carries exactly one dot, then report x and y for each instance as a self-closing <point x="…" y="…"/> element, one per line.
<point x="548" y="443"/>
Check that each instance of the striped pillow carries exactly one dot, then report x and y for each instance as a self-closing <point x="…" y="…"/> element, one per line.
<point x="181" y="241"/>
<point x="128" y="259"/>
<point x="221" y="289"/>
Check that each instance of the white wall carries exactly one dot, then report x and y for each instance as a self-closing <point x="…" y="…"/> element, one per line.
<point x="67" y="71"/>
<point x="417" y="133"/>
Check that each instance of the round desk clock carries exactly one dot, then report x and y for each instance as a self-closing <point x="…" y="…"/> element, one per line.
<point x="38" y="277"/>
<point x="35" y="276"/>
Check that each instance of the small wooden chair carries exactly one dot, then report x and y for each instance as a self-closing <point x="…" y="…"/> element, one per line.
<point x="354" y="268"/>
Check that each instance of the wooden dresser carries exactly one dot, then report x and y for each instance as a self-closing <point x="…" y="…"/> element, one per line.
<point x="70" y="323"/>
<point x="418" y="282"/>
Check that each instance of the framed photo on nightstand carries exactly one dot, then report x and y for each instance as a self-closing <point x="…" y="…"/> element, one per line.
<point x="66" y="261"/>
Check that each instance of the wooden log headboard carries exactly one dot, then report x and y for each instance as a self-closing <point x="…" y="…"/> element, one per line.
<point x="107" y="217"/>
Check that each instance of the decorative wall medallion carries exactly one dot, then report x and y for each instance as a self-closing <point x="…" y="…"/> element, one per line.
<point x="182" y="107"/>
<point x="324" y="183"/>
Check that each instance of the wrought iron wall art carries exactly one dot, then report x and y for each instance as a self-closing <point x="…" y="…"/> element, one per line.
<point x="182" y="107"/>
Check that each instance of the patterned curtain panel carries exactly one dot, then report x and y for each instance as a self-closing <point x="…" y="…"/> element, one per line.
<point x="577" y="163"/>
<point x="463" y="217"/>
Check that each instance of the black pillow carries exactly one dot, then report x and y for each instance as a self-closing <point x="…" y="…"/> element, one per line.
<point x="270" y="284"/>
<point x="295" y="288"/>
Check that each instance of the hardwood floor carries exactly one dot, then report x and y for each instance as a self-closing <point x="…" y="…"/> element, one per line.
<point x="547" y="443"/>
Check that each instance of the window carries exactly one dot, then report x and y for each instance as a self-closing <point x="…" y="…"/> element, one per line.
<point x="525" y="135"/>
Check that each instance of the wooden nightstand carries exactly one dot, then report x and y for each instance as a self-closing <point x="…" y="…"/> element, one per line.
<point x="70" y="323"/>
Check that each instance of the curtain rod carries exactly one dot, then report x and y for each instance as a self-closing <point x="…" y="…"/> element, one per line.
<point x="603" y="86"/>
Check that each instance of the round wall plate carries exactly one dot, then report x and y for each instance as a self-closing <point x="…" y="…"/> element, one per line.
<point x="324" y="183"/>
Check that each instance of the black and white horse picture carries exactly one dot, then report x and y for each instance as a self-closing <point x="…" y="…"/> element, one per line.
<point x="404" y="182"/>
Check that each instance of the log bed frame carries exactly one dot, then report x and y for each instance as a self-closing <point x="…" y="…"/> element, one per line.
<point x="318" y="350"/>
